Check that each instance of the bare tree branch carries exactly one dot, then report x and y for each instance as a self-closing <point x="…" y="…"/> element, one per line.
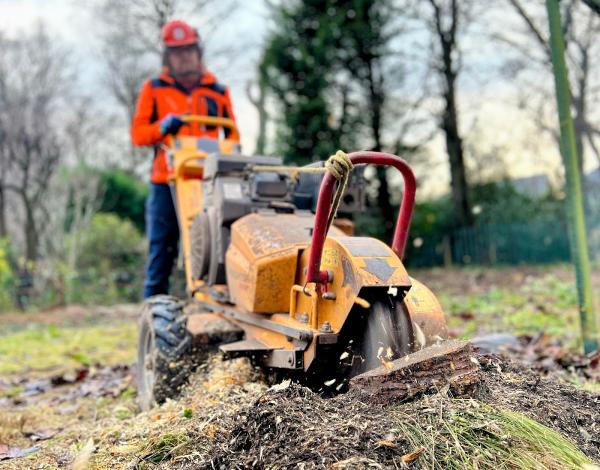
<point x="594" y="5"/>
<point x="542" y="42"/>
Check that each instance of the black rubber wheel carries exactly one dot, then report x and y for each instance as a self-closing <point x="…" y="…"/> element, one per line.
<point x="388" y="335"/>
<point x="200" y="242"/>
<point x="164" y="351"/>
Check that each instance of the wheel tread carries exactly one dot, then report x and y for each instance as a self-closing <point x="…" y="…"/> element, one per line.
<point x="163" y="315"/>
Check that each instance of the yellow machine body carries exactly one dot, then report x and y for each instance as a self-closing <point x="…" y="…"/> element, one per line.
<point x="266" y="264"/>
<point x="187" y="155"/>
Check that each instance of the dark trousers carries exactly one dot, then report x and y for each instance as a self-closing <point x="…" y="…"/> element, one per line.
<point x="162" y="231"/>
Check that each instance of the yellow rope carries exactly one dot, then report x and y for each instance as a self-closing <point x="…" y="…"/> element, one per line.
<point x="339" y="165"/>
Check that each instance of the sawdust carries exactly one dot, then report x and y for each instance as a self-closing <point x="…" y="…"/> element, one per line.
<point x="296" y="427"/>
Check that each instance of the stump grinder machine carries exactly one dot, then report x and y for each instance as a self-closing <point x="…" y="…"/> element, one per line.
<point x="271" y="278"/>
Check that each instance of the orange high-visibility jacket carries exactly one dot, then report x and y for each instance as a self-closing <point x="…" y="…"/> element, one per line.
<point x="163" y="95"/>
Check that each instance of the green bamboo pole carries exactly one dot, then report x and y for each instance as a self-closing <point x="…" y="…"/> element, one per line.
<point x="568" y="150"/>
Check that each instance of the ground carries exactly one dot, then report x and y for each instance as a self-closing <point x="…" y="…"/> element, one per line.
<point x="67" y="395"/>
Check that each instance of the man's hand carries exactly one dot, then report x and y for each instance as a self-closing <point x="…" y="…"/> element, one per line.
<point x="171" y="124"/>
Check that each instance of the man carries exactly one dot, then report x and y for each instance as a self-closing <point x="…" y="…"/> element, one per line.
<point x="185" y="86"/>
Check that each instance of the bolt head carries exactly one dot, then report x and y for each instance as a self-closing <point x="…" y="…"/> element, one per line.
<point x="303" y="318"/>
<point x="326" y="327"/>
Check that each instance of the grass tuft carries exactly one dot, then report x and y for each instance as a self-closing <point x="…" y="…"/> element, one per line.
<point x="465" y="434"/>
<point x="163" y="447"/>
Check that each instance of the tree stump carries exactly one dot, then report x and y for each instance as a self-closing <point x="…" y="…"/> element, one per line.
<point x="451" y="363"/>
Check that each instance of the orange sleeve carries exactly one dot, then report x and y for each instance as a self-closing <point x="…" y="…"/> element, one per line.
<point x="228" y="110"/>
<point x="143" y="130"/>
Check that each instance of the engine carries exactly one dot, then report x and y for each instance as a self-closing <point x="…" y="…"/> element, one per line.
<point x="235" y="186"/>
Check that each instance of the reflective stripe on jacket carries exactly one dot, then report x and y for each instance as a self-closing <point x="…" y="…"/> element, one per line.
<point x="163" y="95"/>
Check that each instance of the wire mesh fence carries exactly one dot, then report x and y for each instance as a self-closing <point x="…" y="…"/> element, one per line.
<point x="535" y="243"/>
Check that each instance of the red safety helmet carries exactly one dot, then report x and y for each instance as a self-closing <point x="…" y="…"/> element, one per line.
<point x="178" y="33"/>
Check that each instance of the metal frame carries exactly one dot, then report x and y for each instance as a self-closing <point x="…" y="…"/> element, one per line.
<point x="324" y="202"/>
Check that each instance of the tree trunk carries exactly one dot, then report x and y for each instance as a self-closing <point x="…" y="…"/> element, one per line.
<point x="580" y="110"/>
<point x="3" y="227"/>
<point x="31" y="235"/>
<point x="454" y="147"/>
<point x="259" y="102"/>
<point x="376" y="100"/>
<point x="454" y="144"/>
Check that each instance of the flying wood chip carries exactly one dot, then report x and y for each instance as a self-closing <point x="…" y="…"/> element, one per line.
<point x="446" y="364"/>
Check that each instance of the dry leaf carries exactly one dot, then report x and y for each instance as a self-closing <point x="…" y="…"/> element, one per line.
<point x="10" y="452"/>
<point x="387" y="443"/>
<point x="211" y="431"/>
<point x="412" y="456"/>
<point x="41" y="434"/>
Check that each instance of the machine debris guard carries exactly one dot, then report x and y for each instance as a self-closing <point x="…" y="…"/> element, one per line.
<point x="270" y="279"/>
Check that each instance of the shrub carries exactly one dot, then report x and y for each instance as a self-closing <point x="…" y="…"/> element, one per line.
<point x="124" y="195"/>
<point x="7" y="277"/>
<point x="110" y="262"/>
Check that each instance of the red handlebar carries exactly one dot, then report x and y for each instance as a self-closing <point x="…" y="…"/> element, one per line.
<point x="314" y="273"/>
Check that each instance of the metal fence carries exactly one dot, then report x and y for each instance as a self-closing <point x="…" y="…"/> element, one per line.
<point x="535" y="243"/>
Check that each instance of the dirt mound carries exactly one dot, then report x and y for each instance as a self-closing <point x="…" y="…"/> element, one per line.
<point x="573" y="412"/>
<point x="291" y="426"/>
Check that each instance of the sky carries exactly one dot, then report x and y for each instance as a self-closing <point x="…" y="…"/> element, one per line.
<point x="488" y="116"/>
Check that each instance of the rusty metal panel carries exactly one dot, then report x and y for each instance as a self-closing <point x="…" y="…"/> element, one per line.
<point x="426" y="313"/>
<point x="262" y="259"/>
<point x="361" y="247"/>
<point x="267" y="233"/>
<point x="275" y="276"/>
